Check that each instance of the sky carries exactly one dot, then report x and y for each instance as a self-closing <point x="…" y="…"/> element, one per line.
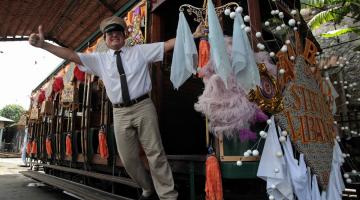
<point x="22" y="68"/>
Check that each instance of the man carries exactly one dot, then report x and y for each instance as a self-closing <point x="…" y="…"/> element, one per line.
<point x="124" y="71"/>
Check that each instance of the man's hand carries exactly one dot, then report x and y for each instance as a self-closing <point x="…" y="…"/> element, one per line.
<point x="37" y="39"/>
<point x="199" y="32"/>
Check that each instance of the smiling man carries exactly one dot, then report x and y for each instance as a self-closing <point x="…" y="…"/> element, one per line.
<point x="125" y="73"/>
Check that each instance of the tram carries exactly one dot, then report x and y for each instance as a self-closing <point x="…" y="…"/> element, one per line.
<point x="70" y="115"/>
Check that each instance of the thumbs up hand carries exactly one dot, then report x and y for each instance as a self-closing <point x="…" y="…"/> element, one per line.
<point x="37" y="39"/>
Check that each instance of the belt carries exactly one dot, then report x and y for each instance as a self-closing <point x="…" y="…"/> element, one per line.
<point x="132" y="102"/>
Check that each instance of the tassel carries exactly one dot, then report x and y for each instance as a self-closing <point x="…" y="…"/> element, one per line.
<point x="28" y="148"/>
<point x="213" y="185"/>
<point x="103" y="147"/>
<point x="48" y="146"/>
<point x="204" y="52"/>
<point x="34" y="147"/>
<point x="68" y="151"/>
<point x="247" y="134"/>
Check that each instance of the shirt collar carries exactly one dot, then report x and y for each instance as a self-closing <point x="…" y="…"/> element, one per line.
<point x="112" y="52"/>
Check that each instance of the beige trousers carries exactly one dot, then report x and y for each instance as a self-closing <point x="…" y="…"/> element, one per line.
<point x="139" y="123"/>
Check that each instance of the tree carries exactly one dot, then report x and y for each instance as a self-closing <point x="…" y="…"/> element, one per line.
<point x="12" y="111"/>
<point x="333" y="11"/>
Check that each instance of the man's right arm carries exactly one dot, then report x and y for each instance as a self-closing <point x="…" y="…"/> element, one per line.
<point x="37" y="40"/>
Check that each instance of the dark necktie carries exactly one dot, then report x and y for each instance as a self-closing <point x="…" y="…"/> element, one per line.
<point x="124" y="86"/>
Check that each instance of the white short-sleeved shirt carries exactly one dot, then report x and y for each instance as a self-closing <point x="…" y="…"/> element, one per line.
<point x="135" y="61"/>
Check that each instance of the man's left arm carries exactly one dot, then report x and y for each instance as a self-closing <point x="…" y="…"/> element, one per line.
<point x="169" y="45"/>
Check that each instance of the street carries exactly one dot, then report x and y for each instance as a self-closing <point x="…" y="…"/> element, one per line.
<point x="15" y="186"/>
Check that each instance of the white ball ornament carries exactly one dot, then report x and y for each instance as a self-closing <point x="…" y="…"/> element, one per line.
<point x="346" y="175"/>
<point x="292" y="22"/>
<point x="232" y="15"/>
<point x="293" y="12"/>
<point x="271" y="197"/>
<point x="282" y="138"/>
<point x="263" y="134"/>
<point x="239" y="163"/>
<point x="284" y="133"/>
<point x="239" y="9"/>
<point x="258" y="34"/>
<point x="337" y="137"/>
<point x="273" y="186"/>
<point x="260" y="46"/>
<point x="268" y="121"/>
<point x="295" y="28"/>
<point x="276" y="170"/>
<point x="247" y="29"/>
<point x="292" y="57"/>
<point x="281" y="15"/>
<point x="284" y="48"/>
<point x="267" y="23"/>
<point x="283" y="25"/>
<point x="277" y="12"/>
<point x="255" y="152"/>
<point x="272" y="54"/>
<point x="279" y="154"/>
<point x="353" y="171"/>
<point x="246" y="18"/>
<point x="278" y="28"/>
<point x="227" y="11"/>
<point x="348" y="180"/>
<point x="246" y="154"/>
<point x="287" y="42"/>
<point x="282" y="71"/>
<point x="273" y="12"/>
<point x="347" y="155"/>
<point x="298" y="23"/>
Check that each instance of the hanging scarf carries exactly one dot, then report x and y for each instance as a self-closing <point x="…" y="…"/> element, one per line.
<point x="103" y="147"/>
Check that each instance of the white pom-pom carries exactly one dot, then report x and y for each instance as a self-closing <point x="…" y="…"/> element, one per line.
<point x="283" y="25"/>
<point x="292" y="22"/>
<point x="282" y="71"/>
<point x="278" y="28"/>
<point x="268" y="121"/>
<point x="246" y="18"/>
<point x="239" y="9"/>
<point x="281" y="15"/>
<point x="267" y="23"/>
<point x="276" y="170"/>
<point x="260" y="46"/>
<point x="284" y="133"/>
<point x="255" y="152"/>
<point x="298" y="23"/>
<point x="284" y="48"/>
<point x="272" y="54"/>
<point x="247" y="29"/>
<point x="273" y="12"/>
<point x="292" y="57"/>
<point x="258" y="34"/>
<point x="271" y="197"/>
<point x="346" y="175"/>
<point x="287" y="42"/>
<point x="246" y="154"/>
<point x="337" y="137"/>
<point x="272" y="186"/>
<point x="293" y="12"/>
<point x="353" y="171"/>
<point x="295" y="28"/>
<point x="232" y="15"/>
<point x="263" y="134"/>
<point x="348" y="180"/>
<point x="282" y="138"/>
<point x="239" y="163"/>
<point x="277" y="12"/>
<point x="227" y="11"/>
<point x="279" y="154"/>
<point x="347" y="155"/>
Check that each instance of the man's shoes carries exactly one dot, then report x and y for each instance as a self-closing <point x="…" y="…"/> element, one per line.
<point x="151" y="197"/>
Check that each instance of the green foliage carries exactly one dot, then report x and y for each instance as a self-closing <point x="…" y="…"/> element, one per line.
<point x="324" y="17"/>
<point x="339" y="32"/>
<point x="12" y="111"/>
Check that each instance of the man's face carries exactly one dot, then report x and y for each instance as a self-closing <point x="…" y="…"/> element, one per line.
<point x="115" y="39"/>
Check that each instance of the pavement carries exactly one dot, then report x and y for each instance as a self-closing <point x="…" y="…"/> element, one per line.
<point x="15" y="186"/>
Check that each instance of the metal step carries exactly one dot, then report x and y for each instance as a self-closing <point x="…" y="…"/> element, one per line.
<point x="80" y="190"/>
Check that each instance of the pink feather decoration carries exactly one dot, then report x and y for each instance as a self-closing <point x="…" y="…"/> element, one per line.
<point x="247" y="134"/>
